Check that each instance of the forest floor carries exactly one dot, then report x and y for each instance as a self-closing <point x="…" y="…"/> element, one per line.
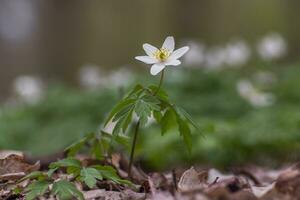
<point x="249" y="182"/>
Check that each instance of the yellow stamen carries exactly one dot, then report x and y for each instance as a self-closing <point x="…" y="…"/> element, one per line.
<point x="162" y="54"/>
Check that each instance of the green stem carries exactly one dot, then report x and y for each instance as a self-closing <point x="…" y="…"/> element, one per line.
<point x="160" y="82"/>
<point x="137" y="126"/>
<point x="137" y="129"/>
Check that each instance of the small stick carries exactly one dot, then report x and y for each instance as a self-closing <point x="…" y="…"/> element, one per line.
<point x="174" y="179"/>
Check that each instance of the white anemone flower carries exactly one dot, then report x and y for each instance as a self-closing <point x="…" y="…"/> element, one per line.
<point x="272" y="47"/>
<point x="255" y="97"/>
<point x="160" y="58"/>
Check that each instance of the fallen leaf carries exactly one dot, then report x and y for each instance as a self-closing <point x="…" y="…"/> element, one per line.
<point x="192" y="180"/>
<point x="6" y="153"/>
<point x="15" y="163"/>
<point x="261" y="191"/>
<point x="289" y="181"/>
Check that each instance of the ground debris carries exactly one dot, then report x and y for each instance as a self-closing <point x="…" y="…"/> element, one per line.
<point x="195" y="183"/>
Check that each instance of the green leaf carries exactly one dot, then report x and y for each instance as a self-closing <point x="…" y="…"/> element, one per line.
<point x="67" y="162"/>
<point x="185" y="132"/>
<point x="66" y="190"/>
<point x="123" y="112"/>
<point x="127" y="120"/>
<point x="162" y="94"/>
<point x="118" y="138"/>
<point x="168" y="121"/>
<point x="36" y="189"/>
<point x="96" y="149"/>
<point x="121" y="105"/>
<point x="77" y="146"/>
<point x="89" y="176"/>
<point x="135" y="91"/>
<point x="73" y="166"/>
<point x="118" y="126"/>
<point x="51" y="171"/>
<point x="124" y="120"/>
<point x="143" y="111"/>
<point x="122" y="139"/>
<point x="34" y="175"/>
<point x="157" y="116"/>
<point x="17" y="190"/>
<point x="187" y="116"/>
<point x="152" y="102"/>
<point x="110" y="173"/>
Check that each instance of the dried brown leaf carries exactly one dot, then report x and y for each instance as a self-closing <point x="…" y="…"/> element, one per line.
<point x="192" y="180"/>
<point x="13" y="166"/>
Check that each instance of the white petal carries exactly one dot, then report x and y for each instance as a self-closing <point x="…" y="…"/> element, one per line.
<point x="156" y="68"/>
<point x="146" y="59"/>
<point x="173" y="62"/>
<point x="178" y="53"/>
<point x="149" y="49"/>
<point x="169" y="43"/>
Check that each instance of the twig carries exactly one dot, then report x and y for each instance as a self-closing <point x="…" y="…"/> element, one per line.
<point x="174" y="179"/>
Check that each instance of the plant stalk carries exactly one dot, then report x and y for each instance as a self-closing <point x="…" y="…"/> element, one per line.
<point x="137" y="126"/>
<point x="160" y="82"/>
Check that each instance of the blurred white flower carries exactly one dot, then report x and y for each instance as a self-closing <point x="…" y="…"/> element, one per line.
<point x="28" y="88"/>
<point x="196" y="55"/>
<point x="160" y="58"/>
<point x="90" y="76"/>
<point x="272" y="46"/>
<point x="237" y="53"/>
<point x="215" y="58"/>
<point x="255" y="97"/>
<point x="118" y="78"/>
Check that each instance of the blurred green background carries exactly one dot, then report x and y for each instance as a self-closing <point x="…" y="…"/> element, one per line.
<point x="63" y="65"/>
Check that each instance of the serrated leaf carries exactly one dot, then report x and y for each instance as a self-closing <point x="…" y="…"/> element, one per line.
<point x="121" y="105"/>
<point x="77" y="146"/>
<point x="127" y="120"/>
<point x="153" y="102"/>
<point x="118" y="126"/>
<point x="136" y="90"/>
<point x="187" y="116"/>
<point x="162" y="94"/>
<point x="51" y="171"/>
<point x="96" y="149"/>
<point x="73" y="170"/>
<point x="143" y="111"/>
<point x="157" y="116"/>
<point x="67" y="162"/>
<point x="66" y="190"/>
<point x="151" y="99"/>
<point x="168" y="121"/>
<point x="123" y="112"/>
<point x="36" y="189"/>
<point x="185" y="132"/>
<point x="34" y="175"/>
<point x="73" y="166"/>
<point x="118" y="138"/>
<point x="110" y="173"/>
<point x="89" y="176"/>
<point x="122" y="139"/>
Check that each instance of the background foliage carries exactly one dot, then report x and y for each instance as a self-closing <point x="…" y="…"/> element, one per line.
<point x="235" y="131"/>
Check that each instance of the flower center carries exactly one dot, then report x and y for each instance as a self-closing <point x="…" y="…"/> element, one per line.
<point x="162" y="54"/>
